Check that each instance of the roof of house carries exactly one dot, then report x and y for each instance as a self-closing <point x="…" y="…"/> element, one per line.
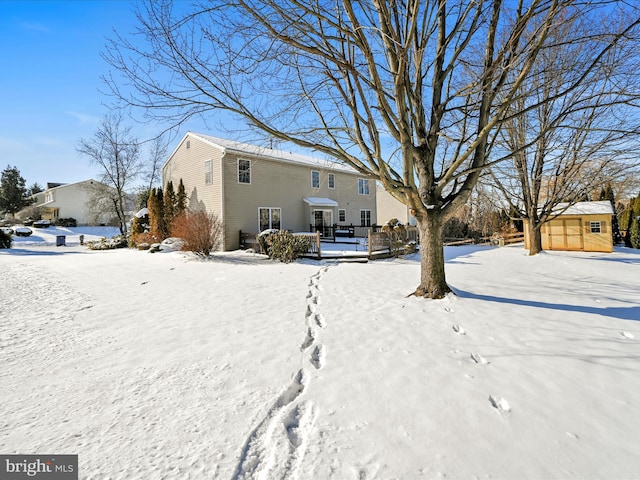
<point x="586" y="208"/>
<point x="51" y="186"/>
<point x="270" y="153"/>
<point x="57" y="186"/>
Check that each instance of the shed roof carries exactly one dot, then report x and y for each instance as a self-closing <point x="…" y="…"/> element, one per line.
<point x="585" y="208"/>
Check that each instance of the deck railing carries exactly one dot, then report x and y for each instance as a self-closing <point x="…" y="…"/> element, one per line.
<point x="314" y="243"/>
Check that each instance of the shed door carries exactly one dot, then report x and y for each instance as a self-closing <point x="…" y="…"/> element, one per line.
<point x="573" y="229"/>
<point x="566" y="234"/>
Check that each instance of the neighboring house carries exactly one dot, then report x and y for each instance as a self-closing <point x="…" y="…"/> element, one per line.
<point x="585" y="226"/>
<point x="254" y="188"/>
<point x="388" y="207"/>
<point x="85" y="201"/>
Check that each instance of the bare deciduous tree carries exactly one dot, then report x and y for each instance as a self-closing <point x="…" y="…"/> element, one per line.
<point x="157" y="155"/>
<point x="117" y="154"/>
<point x="408" y="92"/>
<point x="565" y="143"/>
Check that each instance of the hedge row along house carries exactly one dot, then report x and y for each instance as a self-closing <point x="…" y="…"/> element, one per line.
<point x="585" y="226"/>
<point x="254" y="188"/>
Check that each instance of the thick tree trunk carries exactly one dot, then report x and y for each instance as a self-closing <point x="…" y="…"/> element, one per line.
<point x="535" y="238"/>
<point x="433" y="283"/>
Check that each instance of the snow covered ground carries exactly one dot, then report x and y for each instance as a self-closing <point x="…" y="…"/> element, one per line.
<point x="153" y="366"/>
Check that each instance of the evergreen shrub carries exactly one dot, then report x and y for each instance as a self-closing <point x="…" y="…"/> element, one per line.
<point x="634" y="233"/>
<point x="119" y="241"/>
<point x="5" y="240"/>
<point x="67" y="222"/>
<point x="285" y="246"/>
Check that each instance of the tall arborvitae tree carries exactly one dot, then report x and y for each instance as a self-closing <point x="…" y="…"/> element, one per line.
<point x="634" y="233"/>
<point x="156" y="214"/>
<point x="607" y="194"/>
<point x="170" y="206"/>
<point x="181" y="201"/>
<point x="162" y="224"/>
<point x="624" y="220"/>
<point x="634" y="224"/>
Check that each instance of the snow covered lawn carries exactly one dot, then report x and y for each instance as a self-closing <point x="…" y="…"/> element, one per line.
<point x="154" y="366"/>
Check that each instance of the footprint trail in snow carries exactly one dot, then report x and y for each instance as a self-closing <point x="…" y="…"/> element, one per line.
<point x="276" y="447"/>
<point x="497" y="402"/>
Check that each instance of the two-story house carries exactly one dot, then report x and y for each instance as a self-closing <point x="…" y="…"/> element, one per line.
<point x="86" y="201"/>
<point x="254" y="188"/>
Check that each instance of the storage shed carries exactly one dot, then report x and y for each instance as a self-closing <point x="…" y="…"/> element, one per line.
<point x="585" y="226"/>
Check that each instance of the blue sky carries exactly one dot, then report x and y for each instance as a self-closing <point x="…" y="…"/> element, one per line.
<point x="50" y="83"/>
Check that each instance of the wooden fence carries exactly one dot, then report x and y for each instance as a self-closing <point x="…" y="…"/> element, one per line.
<point x="377" y="244"/>
<point x="502" y="239"/>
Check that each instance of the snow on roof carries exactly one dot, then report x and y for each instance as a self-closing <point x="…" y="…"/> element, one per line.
<point x="142" y="212"/>
<point x="586" y="208"/>
<point x="320" y="202"/>
<point x="273" y="154"/>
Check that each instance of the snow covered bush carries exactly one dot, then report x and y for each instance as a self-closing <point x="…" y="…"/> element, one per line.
<point x="66" y="222"/>
<point x="201" y="232"/>
<point x="261" y="238"/>
<point x="23" y="231"/>
<point x="139" y="232"/>
<point x="119" y="241"/>
<point x="284" y="246"/>
<point x="5" y="240"/>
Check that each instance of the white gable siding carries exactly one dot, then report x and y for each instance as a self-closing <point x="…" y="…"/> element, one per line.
<point x="72" y="201"/>
<point x="188" y="164"/>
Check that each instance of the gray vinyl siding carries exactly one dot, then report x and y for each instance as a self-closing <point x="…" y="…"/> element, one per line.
<point x="274" y="184"/>
<point x="284" y="185"/>
<point x="189" y="164"/>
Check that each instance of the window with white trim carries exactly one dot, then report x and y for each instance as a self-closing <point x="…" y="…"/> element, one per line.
<point x="342" y="215"/>
<point x="244" y="171"/>
<point x="595" y="227"/>
<point x="365" y="218"/>
<point x="208" y="172"/>
<point x="269" y="217"/>
<point x="363" y="186"/>
<point x="331" y="180"/>
<point x="315" y="179"/>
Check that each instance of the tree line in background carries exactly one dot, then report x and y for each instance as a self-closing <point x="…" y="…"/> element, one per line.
<point x="14" y="194"/>
<point x="629" y="221"/>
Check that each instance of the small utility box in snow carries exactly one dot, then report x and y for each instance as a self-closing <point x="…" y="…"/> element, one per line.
<point x="61" y="241"/>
